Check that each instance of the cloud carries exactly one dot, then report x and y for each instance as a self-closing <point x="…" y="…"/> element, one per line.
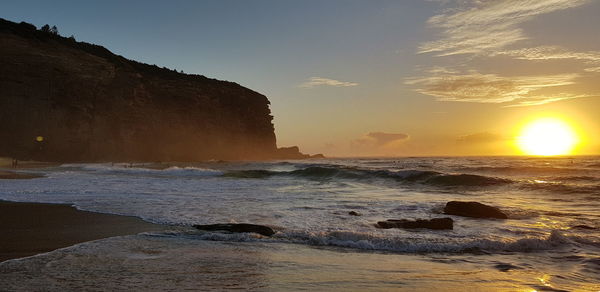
<point x="378" y="143"/>
<point x="551" y="53"/>
<point x="476" y="32"/>
<point x="480" y="138"/>
<point x="320" y="81"/>
<point x="593" y="69"/>
<point x="486" y="26"/>
<point x="384" y="138"/>
<point x="491" y="88"/>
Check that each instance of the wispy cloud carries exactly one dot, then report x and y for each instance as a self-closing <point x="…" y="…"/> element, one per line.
<point x="378" y="143"/>
<point x="551" y="53"/>
<point x="484" y="30"/>
<point x="473" y="86"/>
<point x="593" y="69"/>
<point x="320" y="81"/>
<point x="486" y="26"/>
<point x="479" y="138"/>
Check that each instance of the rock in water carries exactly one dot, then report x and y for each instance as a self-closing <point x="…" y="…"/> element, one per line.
<point x="436" y="223"/>
<point x="473" y="209"/>
<point x="583" y="227"/>
<point x="238" y="228"/>
<point x="354" y="213"/>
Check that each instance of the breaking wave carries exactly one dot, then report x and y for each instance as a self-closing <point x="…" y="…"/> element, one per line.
<point x="125" y="169"/>
<point x="373" y="242"/>
<point x="427" y="177"/>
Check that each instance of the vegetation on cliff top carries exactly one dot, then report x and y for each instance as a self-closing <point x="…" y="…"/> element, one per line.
<point x="46" y="33"/>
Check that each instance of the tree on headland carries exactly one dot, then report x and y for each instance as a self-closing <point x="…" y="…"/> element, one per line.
<point x="51" y="30"/>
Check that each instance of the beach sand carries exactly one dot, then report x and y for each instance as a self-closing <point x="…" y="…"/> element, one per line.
<point x="32" y="228"/>
<point x="16" y="175"/>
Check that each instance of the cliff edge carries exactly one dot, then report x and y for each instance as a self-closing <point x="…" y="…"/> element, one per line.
<point x="63" y="100"/>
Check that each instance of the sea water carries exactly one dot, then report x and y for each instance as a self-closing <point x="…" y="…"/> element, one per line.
<point x="551" y="241"/>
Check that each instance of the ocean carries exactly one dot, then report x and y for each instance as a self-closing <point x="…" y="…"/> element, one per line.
<point x="550" y="241"/>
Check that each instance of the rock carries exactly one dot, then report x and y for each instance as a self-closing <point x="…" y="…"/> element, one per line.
<point x="238" y="228"/>
<point x="583" y="227"/>
<point x="435" y="223"/>
<point x="63" y="100"/>
<point x="473" y="209"/>
<point x="292" y="152"/>
<point x="505" y="267"/>
<point x="354" y="213"/>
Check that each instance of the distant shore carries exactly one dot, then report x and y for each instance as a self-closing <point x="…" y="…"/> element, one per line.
<point x="33" y="228"/>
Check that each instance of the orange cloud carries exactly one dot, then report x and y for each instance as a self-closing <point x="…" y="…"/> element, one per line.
<point x="320" y="81"/>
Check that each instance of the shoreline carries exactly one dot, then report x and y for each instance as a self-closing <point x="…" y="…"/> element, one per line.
<point x="34" y="228"/>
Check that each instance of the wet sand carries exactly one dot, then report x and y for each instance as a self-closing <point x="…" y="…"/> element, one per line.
<point x="16" y="175"/>
<point x="26" y="164"/>
<point x="32" y="228"/>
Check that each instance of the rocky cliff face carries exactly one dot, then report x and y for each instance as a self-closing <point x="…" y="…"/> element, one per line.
<point x="62" y="100"/>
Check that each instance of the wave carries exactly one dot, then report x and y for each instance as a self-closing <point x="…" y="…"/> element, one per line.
<point x="466" y="180"/>
<point x="143" y="169"/>
<point x="520" y="170"/>
<point x="253" y="173"/>
<point x="427" y="177"/>
<point x="558" y="187"/>
<point x="373" y="242"/>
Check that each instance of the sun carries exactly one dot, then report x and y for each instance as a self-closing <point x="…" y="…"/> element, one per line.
<point x="547" y="137"/>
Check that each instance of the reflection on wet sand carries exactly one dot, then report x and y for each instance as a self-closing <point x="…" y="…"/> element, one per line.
<point x="163" y="262"/>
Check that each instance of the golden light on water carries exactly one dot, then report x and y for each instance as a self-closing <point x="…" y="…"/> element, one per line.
<point x="547" y="137"/>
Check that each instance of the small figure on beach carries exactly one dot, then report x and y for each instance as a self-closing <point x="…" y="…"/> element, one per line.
<point x="15" y="163"/>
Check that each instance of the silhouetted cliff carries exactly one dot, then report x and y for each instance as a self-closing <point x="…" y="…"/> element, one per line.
<point x="62" y="100"/>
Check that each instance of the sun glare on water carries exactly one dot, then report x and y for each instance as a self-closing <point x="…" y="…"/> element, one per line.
<point x="546" y="137"/>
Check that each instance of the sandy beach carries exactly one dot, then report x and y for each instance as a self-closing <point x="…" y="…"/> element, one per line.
<point x="16" y="175"/>
<point x="32" y="228"/>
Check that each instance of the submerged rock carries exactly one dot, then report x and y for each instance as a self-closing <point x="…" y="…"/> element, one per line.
<point x="504" y="267"/>
<point x="473" y="209"/>
<point x="435" y="223"/>
<point x="238" y="228"/>
<point x="354" y="213"/>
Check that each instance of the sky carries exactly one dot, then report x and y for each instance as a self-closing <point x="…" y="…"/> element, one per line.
<point x="370" y="77"/>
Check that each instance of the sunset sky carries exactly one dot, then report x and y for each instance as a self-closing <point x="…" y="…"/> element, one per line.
<point x="370" y="78"/>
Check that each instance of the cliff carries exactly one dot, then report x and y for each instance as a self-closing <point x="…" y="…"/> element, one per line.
<point x="63" y="100"/>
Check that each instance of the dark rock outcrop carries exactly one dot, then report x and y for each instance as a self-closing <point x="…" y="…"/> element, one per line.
<point x="63" y="100"/>
<point x="435" y="223"/>
<point x="473" y="209"/>
<point x="583" y="227"/>
<point x="238" y="228"/>
<point x="354" y="213"/>
<point x="292" y="152"/>
<point x="503" y="267"/>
